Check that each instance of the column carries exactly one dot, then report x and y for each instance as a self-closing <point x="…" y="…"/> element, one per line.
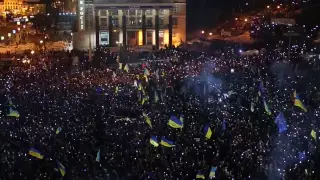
<point x="144" y="29"/>
<point x="157" y="28"/>
<point x="110" y="25"/>
<point x="170" y="28"/>
<point x="124" y="30"/>
<point x="97" y="21"/>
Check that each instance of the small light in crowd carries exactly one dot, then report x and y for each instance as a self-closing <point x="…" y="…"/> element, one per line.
<point x="2" y="38"/>
<point x="32" y="52"/>
<point x="232" y="70"/>
<point x="9" y="34"/>
<point x="14" y="31"/>
<point x="18" y="29"/>
<point x="245" y="19"/>
<point x="210" y="34"/>
<point x="236" y="19"/>
<point x="268" y="7"/>
<point x="278" y="7"/>
<point x="202" y="32"/>
<point x="18" y="23"/>
<point x="41" y="41"/>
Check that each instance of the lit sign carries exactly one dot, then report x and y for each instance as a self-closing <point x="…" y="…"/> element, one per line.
<point x="104" y="37"/>
<point x="81" y="14"/>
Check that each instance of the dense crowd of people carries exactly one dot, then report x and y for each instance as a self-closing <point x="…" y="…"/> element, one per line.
<point x="194" y="115"/>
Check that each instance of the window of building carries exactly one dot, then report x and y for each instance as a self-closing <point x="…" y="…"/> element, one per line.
<point x="115" y="22"/>
<point x="174" y="21"/>
<point x="103" y="13"/>
<point x="103" y="21"/>
<point x="149" y="21"/>
<point x="139" y="12"/>
<point x="148" y="12"/>
<point x="124" y="12"/>
<point x="175" y="9"/>
<point x="113" y="12"/>
<point x="161" y="12"/>
<point x="132" y="21"/>
<point x="132" y="12"/>
<point x="161" y="21"/>
<point x="139" y="21"/>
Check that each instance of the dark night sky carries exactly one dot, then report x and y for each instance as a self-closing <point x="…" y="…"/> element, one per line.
<point x="207" y="13"/>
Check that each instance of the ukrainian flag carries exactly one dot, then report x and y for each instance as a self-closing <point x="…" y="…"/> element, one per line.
<point x="200" y="176"/>
<point x="59" y="129"/>
<point x="154" y="141"/>
<point x="35" y="153"/>
<point x="120" y="65"/>
<point x="61" y="168"/>
<point x="148" y="120"/>
<point x="298" y="102"/>
<point x="144" y="99"/>
<point x="174" y="122"/>
<point x="166" y="143"/>
<point x="140" y="86"/>
<point x="13" y="113"/>
<point x="207" y="131"/>
<point x="266" y="107"/>
<point x="212" y="172"/>
<point x="182" y="118"/>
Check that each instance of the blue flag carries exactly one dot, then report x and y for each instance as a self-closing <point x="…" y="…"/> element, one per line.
<point x="281" y="122"/>
<point x="224" y="125"/>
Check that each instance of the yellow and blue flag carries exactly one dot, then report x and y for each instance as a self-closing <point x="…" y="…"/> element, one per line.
<point x="148" y="120"/>
<point x="266" y="107"/>
<point x="13" y="113"/>
<point x="98" y="156"/>
<point x="207" y="131"/>
<point x="154" y="141"/>
<point x="35" y="153"/>
<point x="61" y="168"/>
<point x="116" y="90"/>
<point x="298" y="102"/>
<point x="175" y="122"/>
<point x="120" y="65"/>
<point x="140" y="86"/>
<point x="166" y="143"/>
<point x="200" y="176"/>
<point x="59" y="129"/>
<point x="212" y="173"/>
<point x="144" y="99"/>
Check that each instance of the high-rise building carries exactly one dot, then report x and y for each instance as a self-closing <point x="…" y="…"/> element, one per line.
<point x="130" y="23"/>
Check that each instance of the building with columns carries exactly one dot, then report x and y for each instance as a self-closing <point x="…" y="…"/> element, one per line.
<point x="130" y="23"/>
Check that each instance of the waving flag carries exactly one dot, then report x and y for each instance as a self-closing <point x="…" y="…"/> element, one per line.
<point x="35" y="153"/>
<point x="298" y="102"/>
<point x="224" y="125"/>
<point x="207" y="131"/>
<point x="314" y="134"/>
<point x="120" y="65"/>
<point x="61" y="168"/>
<point x="148" y="120"/>
<point x="261" y="88"/>
<point x="166" y="143"/>
<point x="98" y="156"/>
<point x="154" y="141"/>
<point x="281" y="122"/>
<point x="212" y="173"/>
<point x="13" y="113"/>
<point x="174" y="122"/>
<point x="126" y="68"/>
<point x="200" y="176"/>
<point x="59" y="129"/>
<point x="266" y="107"/>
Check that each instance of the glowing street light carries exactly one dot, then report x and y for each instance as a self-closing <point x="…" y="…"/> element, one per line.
<point x="14" y="31"/>
<point x="236" y="19"/>
<point x="32" y="52"/>
<point x="19" y="29"/>
<point x="9" y="34"/>
<point x="41" y="41"/>
<point x="210" y="34"/>
<point x="2" y="38"/>
<point x="268" y="7"/>
<point x="278" y="7"/>
<point x="18" y="23"/>
<point x="202" y="32"/>
<point x="246" y="20"/>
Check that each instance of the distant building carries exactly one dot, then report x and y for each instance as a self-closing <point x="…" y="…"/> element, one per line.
<point x="130" y="23"/>
<point x="23" y="7"/>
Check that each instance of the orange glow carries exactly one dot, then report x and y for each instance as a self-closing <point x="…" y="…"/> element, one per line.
<point x="166" y="37"/>
<point x="140" y="38"/>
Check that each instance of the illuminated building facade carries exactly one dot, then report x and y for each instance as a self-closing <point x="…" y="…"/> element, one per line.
<point x="23" y="7"/>
<point x="130" y="23"/>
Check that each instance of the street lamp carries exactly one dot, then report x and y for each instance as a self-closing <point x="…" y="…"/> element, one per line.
<point x="18" y="23"/>
<point x="268" y="7"/>
<point x="41" y="41"/>
<point x="32" y="52"/>
<point x="278" y="7"/>
<point x="245" y="19"/>
<point x="14" y="31"/>
<point x="2" y="38"/>
<point x="9" y="34"/>
<point x="236" y="19"/>
<point x="210" y="34"/>
<point x="202" y="32"/>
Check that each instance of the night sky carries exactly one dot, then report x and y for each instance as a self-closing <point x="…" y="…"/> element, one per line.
<point x="207" y="13"/>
